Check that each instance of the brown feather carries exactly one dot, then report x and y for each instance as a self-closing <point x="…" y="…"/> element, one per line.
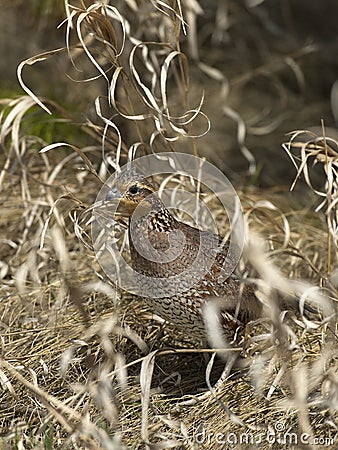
<point x="163" y="247"/>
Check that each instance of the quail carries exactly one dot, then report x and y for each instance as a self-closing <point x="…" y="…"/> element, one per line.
<point x="192" y="262"/>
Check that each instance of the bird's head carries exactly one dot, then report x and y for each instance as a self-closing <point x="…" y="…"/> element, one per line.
<point x="131" y="190"/>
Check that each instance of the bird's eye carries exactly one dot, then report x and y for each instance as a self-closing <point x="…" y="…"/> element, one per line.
<point x="134" y="189"/>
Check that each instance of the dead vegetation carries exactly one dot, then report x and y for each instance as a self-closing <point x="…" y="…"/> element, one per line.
<point x="84" y="366"/>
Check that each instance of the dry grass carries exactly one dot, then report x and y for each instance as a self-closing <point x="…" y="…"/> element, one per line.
<point x="83" y="366"/>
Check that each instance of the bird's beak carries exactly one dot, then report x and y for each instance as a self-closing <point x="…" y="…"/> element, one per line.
<point x="113" y="194"/>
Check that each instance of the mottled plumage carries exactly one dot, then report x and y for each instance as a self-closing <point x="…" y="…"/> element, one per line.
<point x="192" y="261"/>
